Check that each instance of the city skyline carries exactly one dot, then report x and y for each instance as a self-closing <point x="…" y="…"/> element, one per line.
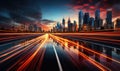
<point x="20" y="11"/>
<point x="59" y="35"/>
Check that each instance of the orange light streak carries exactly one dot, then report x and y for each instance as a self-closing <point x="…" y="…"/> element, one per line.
<point x="21" y="68"/>
<point x="21" y="44"/>
<point x="96" y="64"/>
<point x="12" y="55"/>
<point x="87" y="49"/>
<point x="101" y="67"/>
<point x="17" y="51"/>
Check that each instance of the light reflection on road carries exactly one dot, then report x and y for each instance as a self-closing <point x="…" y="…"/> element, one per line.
<point x="50" y="52"/>
<point x="103" y="60"/>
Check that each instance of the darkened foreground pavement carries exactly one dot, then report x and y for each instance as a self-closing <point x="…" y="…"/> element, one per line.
<point x="60" y="52"/>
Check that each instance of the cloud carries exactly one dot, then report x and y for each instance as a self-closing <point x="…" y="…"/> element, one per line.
<point x="91" y="5"/>
<point x="20" y="11"/>
<point x="47" y="22"/>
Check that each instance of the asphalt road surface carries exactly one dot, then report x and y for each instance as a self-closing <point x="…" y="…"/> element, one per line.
<point x="51" y="52"/>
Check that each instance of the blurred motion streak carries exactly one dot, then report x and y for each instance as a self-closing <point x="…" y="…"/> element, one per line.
<point x="85" y="48"/>
<point x="11" y="52"/>
<point x="21" y="68"/>
<point x="63" y="41"/>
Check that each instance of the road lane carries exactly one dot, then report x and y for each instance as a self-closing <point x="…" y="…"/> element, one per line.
<point x="70" y="61"/>
<point x="49" y="61"/>
<point x="22" y="67"/>
<point x="111" y="63"/>
<point x="10" y="43"/>
<point x="53" y="53"/>
<point x="58" y="61"/>
<point x="15" y="57"/>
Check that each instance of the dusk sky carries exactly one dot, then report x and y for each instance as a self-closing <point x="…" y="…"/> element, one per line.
<point x="58" y="9"/>
<point x="54" y="10"/>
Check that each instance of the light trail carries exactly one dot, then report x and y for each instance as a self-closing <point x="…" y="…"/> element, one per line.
<point x="101" y="67"/>
<point x="16" y="51"/>
<point x="23" y="58"/>
<point x="9" y="38"/>
<point x="92" y="61"/>
<point x="40" y="61"/>
<point x="86" y="48"/>
<point x="101" y="39"/>
<point x="62" y="40"/>
<point x="14" y="54"/>
<point x="9" y="52"/>
<point x="95" y="43"/>
<point x="30" y="59"/>
<point x="13" y="38"/>
<point x="35" y="64"/>
<point x="58" y="61"/>
<point x="72" y="58"/>
<point x="21" y="68"/>
<point x="21" y="44"/>
<point x="92" y="33"/>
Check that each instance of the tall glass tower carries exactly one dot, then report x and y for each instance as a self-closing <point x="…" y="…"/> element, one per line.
<point x="80" y="19"/>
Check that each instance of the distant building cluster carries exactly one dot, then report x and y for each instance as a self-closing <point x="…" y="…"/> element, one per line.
<point x="21" y="28"/>
<point x="87" y="23"/>
<point x="21" y="21"/>
<point x="29" y="28"/>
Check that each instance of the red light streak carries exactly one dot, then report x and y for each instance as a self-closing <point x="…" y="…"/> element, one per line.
<point x="100" y="66"/>
<point x="21" y="68"/>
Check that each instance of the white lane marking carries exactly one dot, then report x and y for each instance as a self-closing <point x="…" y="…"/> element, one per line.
<point x="58" y="61"/>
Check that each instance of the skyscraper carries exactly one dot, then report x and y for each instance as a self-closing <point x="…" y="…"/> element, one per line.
<point x="75" y="26"/>
<point x="63" y="23"/>
<point x="91" y="23"/>
<point x="59" y="27"/>
<point x="86" y="18"/>
<point x="86" y="21"/>
<point x="80" y="19"/>
<point x="118" y="23"/>
<point x="69" y="25"/>
<point x="97" y="14"/>
<point x="97" y="24"/>
<point x="109" y="24"/>
<point x="101" y="24"/>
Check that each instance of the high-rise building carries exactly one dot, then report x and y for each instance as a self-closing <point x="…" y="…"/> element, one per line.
<point x="97" y="14"/>
<point x="109" y="24"/>
<point x="30" y="27"/>
<point x="97" y="24"/>
<point x="118" y="23"/>
<point x="35" y="28"/>
<point x="80" y="19"/>
<point x="75" y="26"/>
<point x="69" y="25"/>
<point x="86" y="18"/>
<point x="91" y="23"/>
<point x="63" y="23"/>
<point x="101" y="23"/>
<point x="86" y="21"/>
<point x="59" y="27"/>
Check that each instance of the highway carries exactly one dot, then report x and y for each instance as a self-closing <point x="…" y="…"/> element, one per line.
<point x="59" y="52"/>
